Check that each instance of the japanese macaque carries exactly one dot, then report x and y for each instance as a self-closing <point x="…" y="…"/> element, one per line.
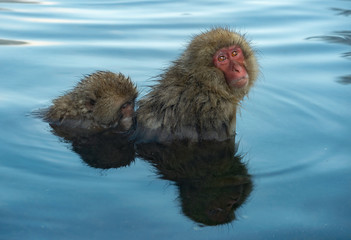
<point x="198" y="96"/>
<point x="100" y="101"/>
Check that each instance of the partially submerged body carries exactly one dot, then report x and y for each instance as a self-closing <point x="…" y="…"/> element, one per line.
<point x="100" y="101"/>
<point x="198" y="96"/>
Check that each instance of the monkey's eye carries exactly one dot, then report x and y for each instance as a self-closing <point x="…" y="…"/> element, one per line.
<point x="235" y="53"/>
<point x="221" y="58"/>
<point x="124" y="106"/>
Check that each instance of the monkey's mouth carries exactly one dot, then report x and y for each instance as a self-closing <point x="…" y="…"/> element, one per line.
<point x="239" y="82"/>
<point x="241" y="79"/>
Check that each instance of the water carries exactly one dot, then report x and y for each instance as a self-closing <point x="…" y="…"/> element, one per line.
<point x="293" y="131"/>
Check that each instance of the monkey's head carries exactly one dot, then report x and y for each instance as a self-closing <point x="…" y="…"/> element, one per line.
<point x="106" y="100"/>
<point x="223" y="58"/>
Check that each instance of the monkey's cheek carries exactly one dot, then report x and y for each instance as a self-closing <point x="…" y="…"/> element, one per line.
<point x="238" y="83"/>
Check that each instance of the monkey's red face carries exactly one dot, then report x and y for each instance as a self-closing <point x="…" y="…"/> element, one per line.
<point x="231" y="62"/>
<point x="127" y="114"/>
<point x="127" y="109"/>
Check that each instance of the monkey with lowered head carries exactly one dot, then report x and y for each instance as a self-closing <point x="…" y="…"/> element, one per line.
<point x="102" y="100"/>
<point x="198" y="96"/>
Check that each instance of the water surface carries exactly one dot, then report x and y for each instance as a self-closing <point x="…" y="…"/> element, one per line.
<point x="288" y="179"/>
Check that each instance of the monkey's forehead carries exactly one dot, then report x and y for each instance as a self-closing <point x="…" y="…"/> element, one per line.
<point x="201" y="49"/>
<point x="208" y="43"/>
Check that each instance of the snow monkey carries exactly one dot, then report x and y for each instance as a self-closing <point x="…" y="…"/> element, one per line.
<point x="102" y="100"/>
<point x="197" y="97"/>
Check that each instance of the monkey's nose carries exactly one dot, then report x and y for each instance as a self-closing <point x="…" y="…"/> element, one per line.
<point x="236" y="67"/>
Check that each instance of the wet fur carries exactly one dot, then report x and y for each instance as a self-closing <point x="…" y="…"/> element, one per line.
<point x="192" y="100"/>
<point x="94" y="103"/>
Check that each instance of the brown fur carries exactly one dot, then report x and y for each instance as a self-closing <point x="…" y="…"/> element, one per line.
<point x="192" y="100"/>
<point x="94" y="103"/>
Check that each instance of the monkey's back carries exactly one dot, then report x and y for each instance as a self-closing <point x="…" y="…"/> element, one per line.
<point x="185" y="109"/>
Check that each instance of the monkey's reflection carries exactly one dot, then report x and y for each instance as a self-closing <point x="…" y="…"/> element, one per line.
<point x="105" y="149"/>
<point x="212" y="180"/>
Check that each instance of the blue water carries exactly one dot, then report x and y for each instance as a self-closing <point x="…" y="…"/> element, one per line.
<point x="293" y="131"/>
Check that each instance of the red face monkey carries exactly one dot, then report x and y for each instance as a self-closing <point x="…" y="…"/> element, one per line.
<point x="197" y="97"/>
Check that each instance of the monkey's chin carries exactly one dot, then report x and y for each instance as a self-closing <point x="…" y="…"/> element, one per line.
<point x="239" y="82"/>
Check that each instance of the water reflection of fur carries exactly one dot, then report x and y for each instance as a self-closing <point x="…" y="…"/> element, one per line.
<point x="210" y="176"/>
<point x="104" y="149"/>
<point x="212" y="180"/>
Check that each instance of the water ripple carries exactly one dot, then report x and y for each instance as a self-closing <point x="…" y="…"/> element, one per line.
<point x="11" y="42"/>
